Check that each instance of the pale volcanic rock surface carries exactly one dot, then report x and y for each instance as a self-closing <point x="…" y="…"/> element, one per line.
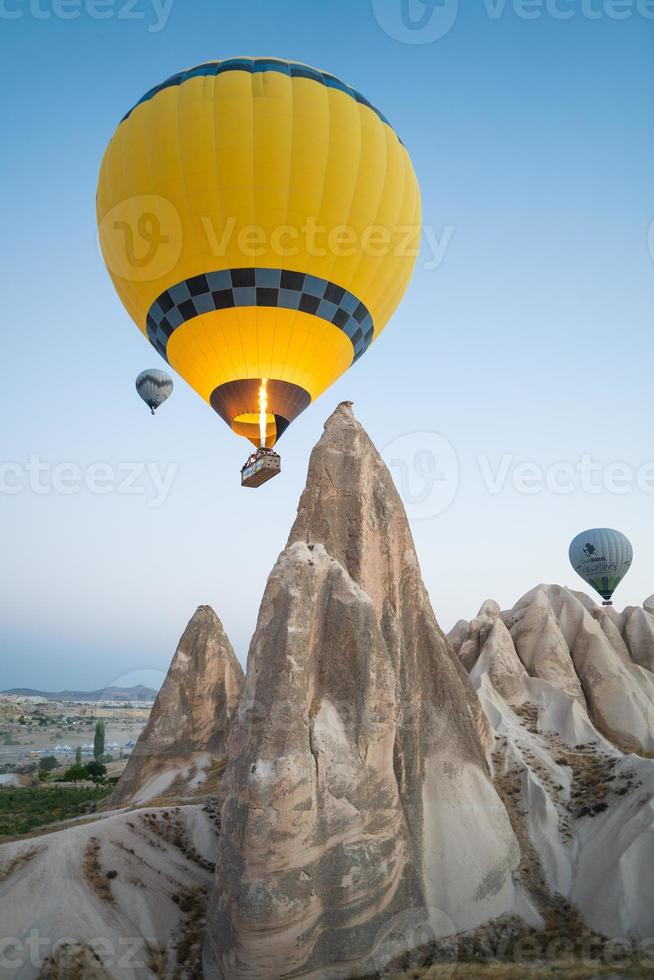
<point x="118" y="898"/>
<point x="384" y="784"/>
<point x="358" y="785"/>
<point x="182" y="749"/>
<point x="637" y="630"/>
<point x="572" y="709"/>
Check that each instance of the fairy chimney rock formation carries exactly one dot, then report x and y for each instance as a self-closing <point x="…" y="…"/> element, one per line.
<point x="181" y="750"/>
<point x="569" y="690"/>
<point x="358" y="805"/>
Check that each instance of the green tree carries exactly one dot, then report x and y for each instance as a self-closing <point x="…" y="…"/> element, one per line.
<point x="96" y="771"/>
<point x="98" y="740"/>
<point x="78" y="755"/>
<point x="48" y="763"/>
<point x="75" y="773"/>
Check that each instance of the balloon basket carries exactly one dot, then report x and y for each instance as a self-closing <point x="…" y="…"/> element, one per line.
<point x="260" y="467"/>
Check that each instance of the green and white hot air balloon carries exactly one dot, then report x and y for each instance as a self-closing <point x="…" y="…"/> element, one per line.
<point x="602" y="557"/>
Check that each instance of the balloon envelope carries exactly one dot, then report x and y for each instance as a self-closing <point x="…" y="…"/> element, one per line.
<point x="154" y="387"/>
<point x="260" y="220"/>
<point x="602" y="557"/>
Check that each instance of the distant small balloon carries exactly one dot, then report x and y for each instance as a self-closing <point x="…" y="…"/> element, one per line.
<point x="602" y="557"/>
<point x="154" y="387"/>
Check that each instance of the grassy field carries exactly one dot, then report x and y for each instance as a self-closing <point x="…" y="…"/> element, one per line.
<point x="25" y="810"/>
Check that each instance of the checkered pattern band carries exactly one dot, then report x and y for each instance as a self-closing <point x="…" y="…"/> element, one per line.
<point x="259" y="287"/>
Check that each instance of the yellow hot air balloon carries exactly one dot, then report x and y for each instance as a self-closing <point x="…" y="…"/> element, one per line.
<point x="260" y="221"/>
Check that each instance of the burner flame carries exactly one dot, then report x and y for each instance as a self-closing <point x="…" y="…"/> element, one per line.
<point x="263" y="411"/>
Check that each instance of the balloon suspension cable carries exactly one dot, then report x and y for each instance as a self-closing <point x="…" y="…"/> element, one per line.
<point x="263" y="412"/>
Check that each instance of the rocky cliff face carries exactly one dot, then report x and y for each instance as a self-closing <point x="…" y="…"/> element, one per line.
<point x="571" y="703"/>
<point x="358" y="797"/>
<point x="182" y="749"/>
<point x="599" y="658"/>
<point x="388" y="792"/>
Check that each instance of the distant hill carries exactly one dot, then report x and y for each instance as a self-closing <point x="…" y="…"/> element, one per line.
<point x="138" y="693"/>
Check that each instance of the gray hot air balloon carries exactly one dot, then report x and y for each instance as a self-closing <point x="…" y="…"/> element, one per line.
<point x="602" y="557"/>
<point x="154" y="387"/>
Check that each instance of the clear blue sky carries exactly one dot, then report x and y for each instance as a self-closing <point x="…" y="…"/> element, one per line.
<point x="531" y="342"/>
